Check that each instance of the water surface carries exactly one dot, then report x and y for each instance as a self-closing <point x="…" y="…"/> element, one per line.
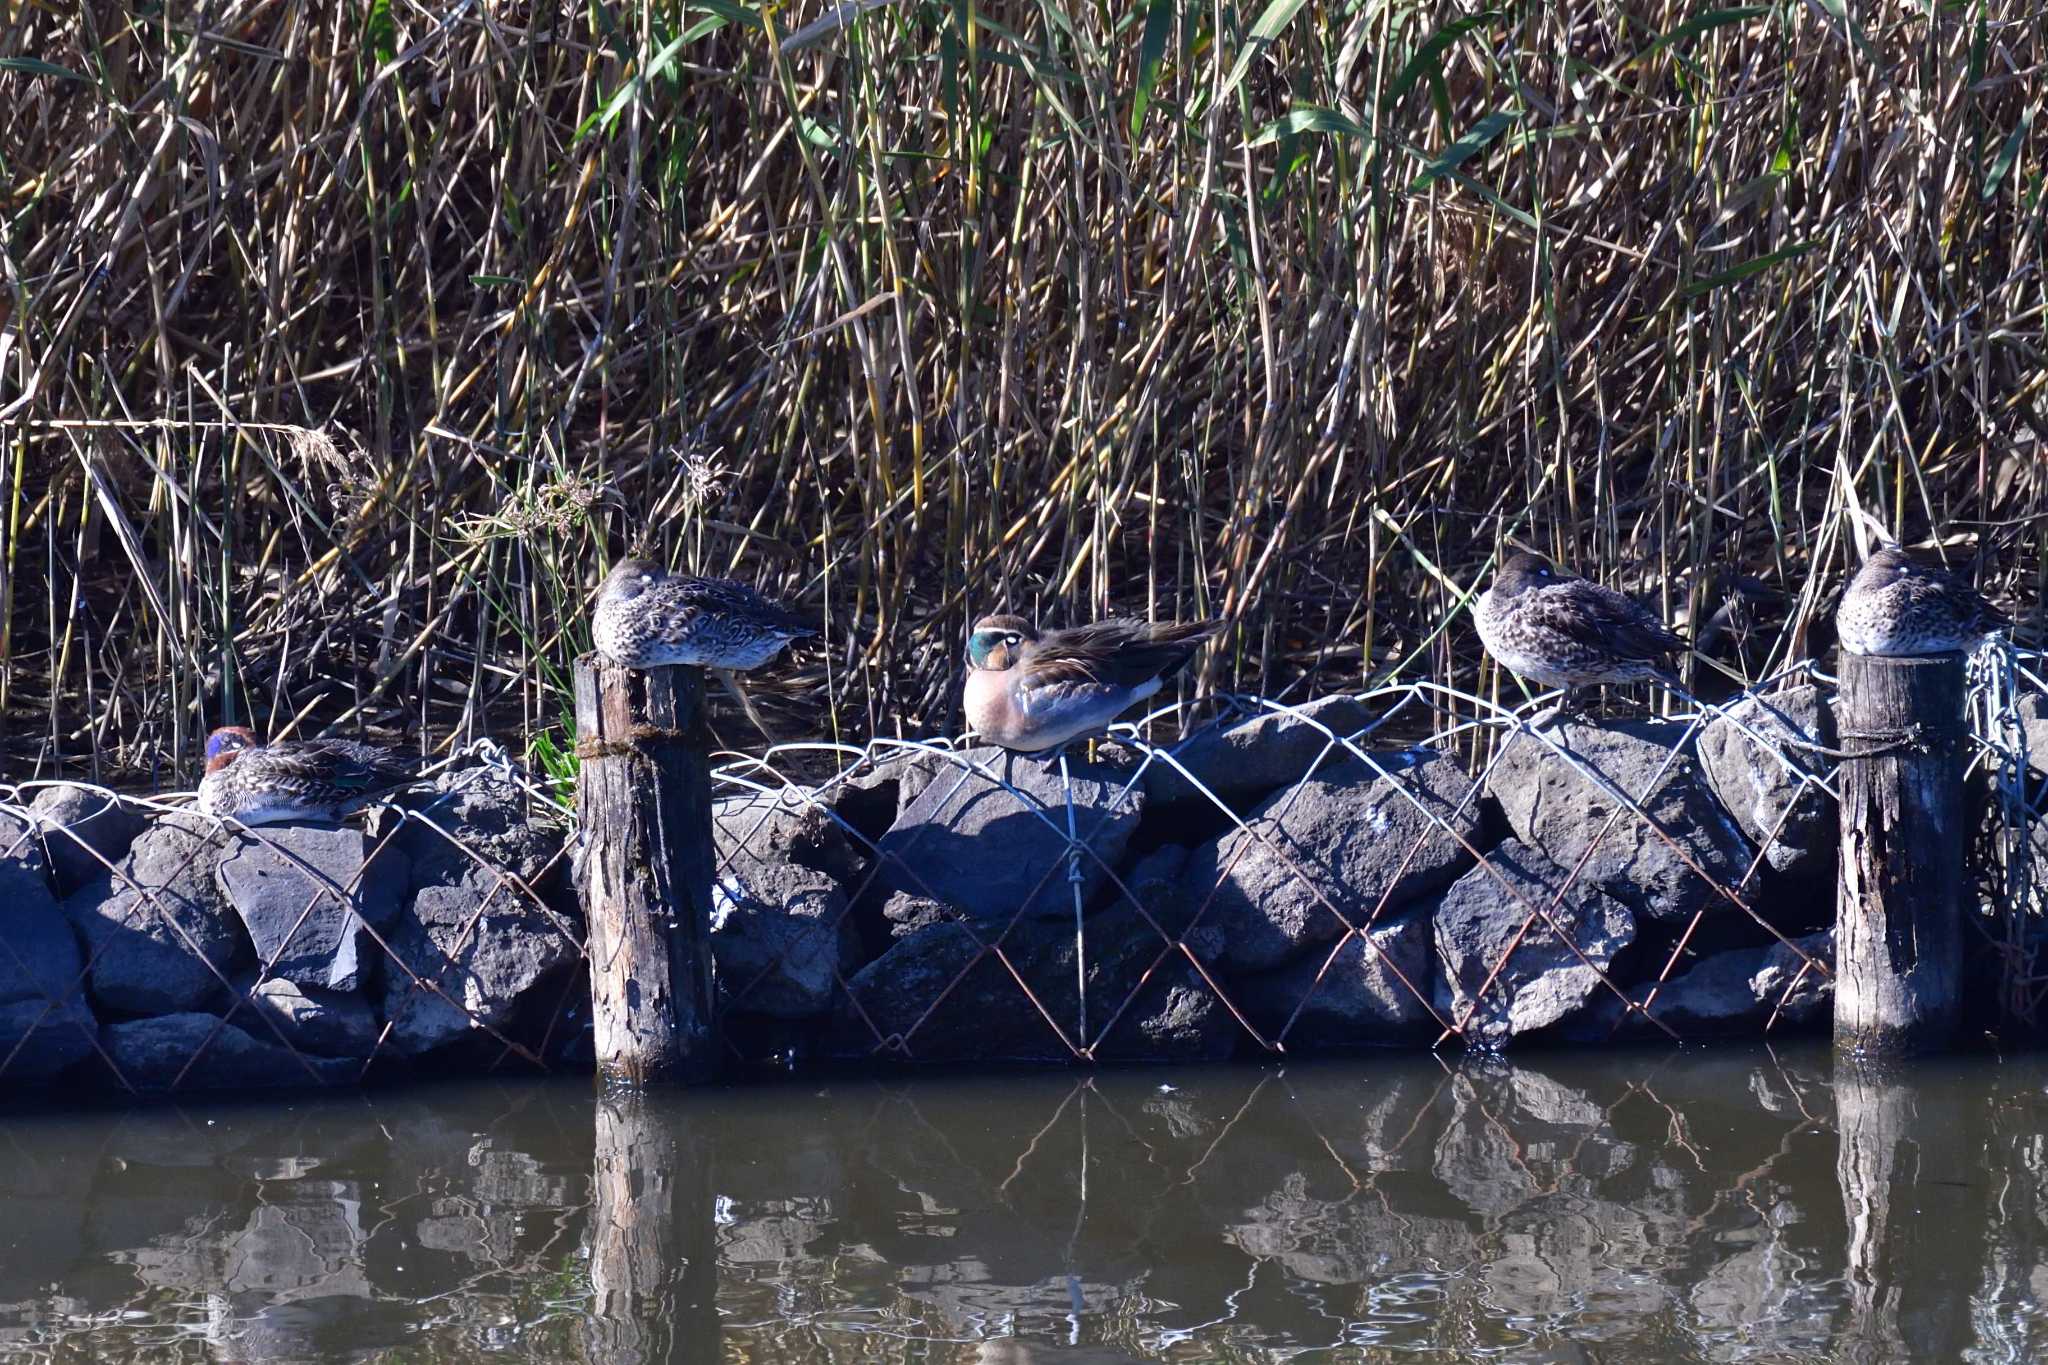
<point x="1635" y="1206"/>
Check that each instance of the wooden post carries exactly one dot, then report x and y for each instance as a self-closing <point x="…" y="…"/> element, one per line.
<point x="643" y="798"/>
<point x="1898" y="914"/>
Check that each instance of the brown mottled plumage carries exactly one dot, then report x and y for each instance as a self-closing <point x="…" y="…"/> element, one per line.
<point x="1031" y="691"/>
<point x="315" y="779"/>
<point x="1896" y="605"/>
<point x="647" y="617"/>
<point x="1564" y="631"/>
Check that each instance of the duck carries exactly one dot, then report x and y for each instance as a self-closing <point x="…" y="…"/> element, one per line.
<point x="1559" y="630"/>
<point x="1897" y="606"/>
<point x="1030" y="691"/>
<point x="316" y="779"/>
<point x="647" y="617"/>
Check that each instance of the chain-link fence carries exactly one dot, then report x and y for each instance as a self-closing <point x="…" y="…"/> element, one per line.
<point x="145" y="946"/>
<point x="1410" y="866"/>
<point x="1285" y="878"/>
<point x="1290" y="878"/>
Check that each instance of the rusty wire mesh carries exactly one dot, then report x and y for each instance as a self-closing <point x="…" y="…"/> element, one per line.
<point x="228" y="1035"/>
<point x="1079" y="1026"/>
<point x="1029" y="995"/>
<point x="2008" y="724"/>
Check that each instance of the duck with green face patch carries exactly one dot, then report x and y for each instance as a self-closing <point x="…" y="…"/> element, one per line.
<point x="314" y="779"/>
<point x="1030" y="691"/>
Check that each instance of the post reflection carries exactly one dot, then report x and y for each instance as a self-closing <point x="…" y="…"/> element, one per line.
<point x="1694" y="1206"/>
<point x="653" y="1267"/>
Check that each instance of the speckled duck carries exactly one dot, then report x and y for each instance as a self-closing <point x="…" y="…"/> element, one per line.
<point x="647" y="617"/>
<point x="318" y="779"/>
<point x="1896" y="605"/>
<point x="1560" y="630"/>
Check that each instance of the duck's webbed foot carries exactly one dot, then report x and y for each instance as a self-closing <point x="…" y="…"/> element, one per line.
<point x="1564" y="708"/>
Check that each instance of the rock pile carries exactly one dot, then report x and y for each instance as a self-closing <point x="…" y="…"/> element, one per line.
<point x="183" y="956"/>
<point x="1268" y="885"/>
<point x="1272" y="881"/>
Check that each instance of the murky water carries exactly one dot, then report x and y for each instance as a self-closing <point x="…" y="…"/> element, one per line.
<point x="1635" y="1207"/>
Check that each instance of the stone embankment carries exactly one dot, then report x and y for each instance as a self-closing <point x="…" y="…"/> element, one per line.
<point x="853" y="918"/>
<point x="140" y="942"/>
<point x="1441" y="872"/>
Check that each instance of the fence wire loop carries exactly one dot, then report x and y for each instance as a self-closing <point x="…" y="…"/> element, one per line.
<point x="1913" y="738"/>
<point x="637" y="740"/>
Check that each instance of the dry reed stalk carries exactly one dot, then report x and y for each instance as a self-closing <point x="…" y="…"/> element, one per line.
<point x="1293" y="313"/>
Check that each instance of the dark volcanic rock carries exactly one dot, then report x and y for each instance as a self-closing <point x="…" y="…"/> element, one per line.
<point x="868" y="795"/>
<point x="895" y="990"/>
<point x="987" y="1016"/>
<point x="761" y="830"/>
<point x="1755" y="787"/>
<point x="490" y="921"/>
<point x="966" y="840"/>
<point x="1728" y="994"/>
<point x="157" y="925"/>
<point x="484" y="812"/>
<point x="1349" y="832"/>
<point x="83" y="831"/>
<point x="873" y="792"/>
<point x="21" y="846"/>
<point x="490" y="950"/>
<point x="158" y="1054"/>
<point x="1552" y="805"/>
<point x="1244" y="761"/>
<point x="1544" y="982"/>
<point x="1173" y="1015"/>
<point x="1361" y="1000"/>
<point x="305" y="894"/>
<point x="39" y="957"/>
<point x="780" y="936"/>
<point x="1154" y="882"/>
<point x="906" y="914"/>
<point x="326" y="1023"/>
<point x="39" y="1038"/>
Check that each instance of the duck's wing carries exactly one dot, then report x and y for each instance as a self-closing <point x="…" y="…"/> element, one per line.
<point x="729" y="597"/>
<point x="1947" y="590"/>
<point x="1114" y="653"/>
<point x="1591" y="614"/>
<point x="344" y="764"/>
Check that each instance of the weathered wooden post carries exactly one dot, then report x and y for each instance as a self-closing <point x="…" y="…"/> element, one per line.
<point x="643" y="799"/>
<point x="1898" y="913"/>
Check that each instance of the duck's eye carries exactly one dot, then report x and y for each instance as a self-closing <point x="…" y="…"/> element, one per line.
<point x="1013" y="640"/>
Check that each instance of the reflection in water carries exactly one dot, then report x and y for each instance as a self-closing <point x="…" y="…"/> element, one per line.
<point x="1725" y="1206"/>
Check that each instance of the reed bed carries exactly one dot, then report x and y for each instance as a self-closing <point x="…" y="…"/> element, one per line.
<point x="343" y="345"/>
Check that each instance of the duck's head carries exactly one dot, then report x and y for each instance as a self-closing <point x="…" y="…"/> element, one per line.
<point x="997" y="642"/>
<point x="1521" y="572"/>
<point x="1887" y="563"/>
<point x="631" y="577"/>
<point x="225" y="743"/>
